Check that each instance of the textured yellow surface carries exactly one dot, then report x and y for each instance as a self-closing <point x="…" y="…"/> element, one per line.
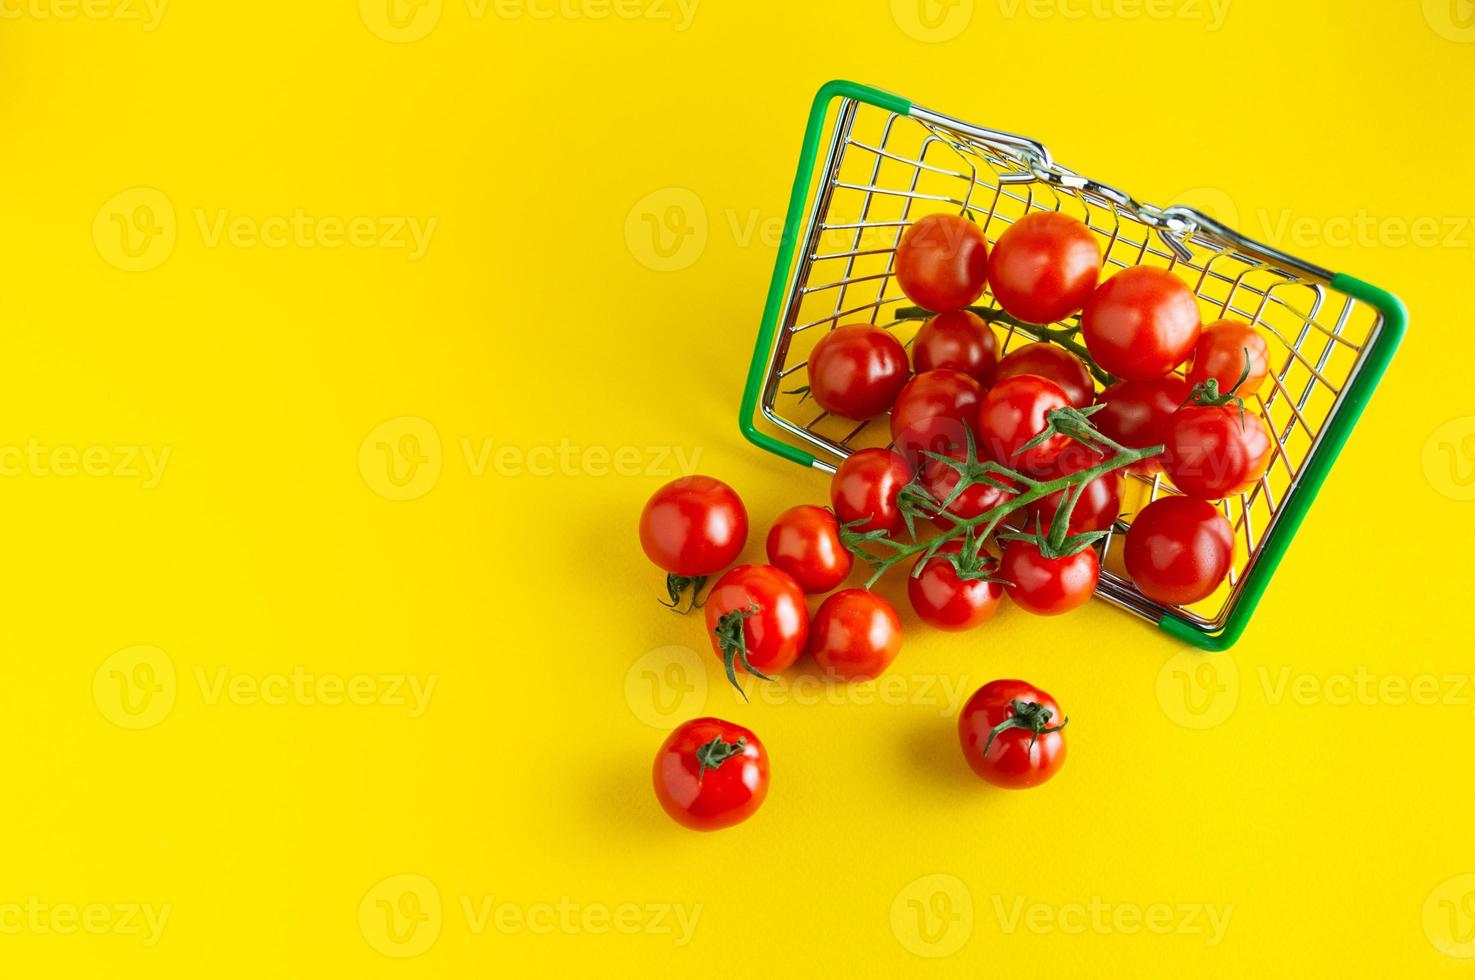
<point x="343" y="343"/>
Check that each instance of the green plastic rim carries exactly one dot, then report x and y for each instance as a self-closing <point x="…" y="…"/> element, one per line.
<point x="1293" y="509"/>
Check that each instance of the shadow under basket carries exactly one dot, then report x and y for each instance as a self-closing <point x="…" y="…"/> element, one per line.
<point x="872" y="163"/>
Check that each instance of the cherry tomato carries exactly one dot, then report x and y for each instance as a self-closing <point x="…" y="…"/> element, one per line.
<point x="1013" y="413"/>
<point x="1137" y="413"/>
<point x="711" y="774"/>
<point x="1099" y="504"/>
<point x="1221" y="353"/>
<point x="1141" y="323"/>
<point x="865" y="487"/>
<point x="957" y="341"/>
<point x="1048" y="586"/>
<point x="934" y="413"/>
<point x="941" y="479"/>
<point x="691" y="528"/>
<point x="1178" y="550"/>
<point x="757" y="620"/>
<point x="1053" y="364"/>
<point x="948" y="602"/>
<point x="855" y="371"/>
<point x="1044" y="267"/>
<point x="856" y="635"/>
<point x="1011" y="734"/>
<point x="942" y="262"/>
<point x="1213" y="452"/>
<point x="805" y="542"/>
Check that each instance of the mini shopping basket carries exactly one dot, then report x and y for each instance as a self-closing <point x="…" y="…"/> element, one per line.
<point x="873" y="162"/>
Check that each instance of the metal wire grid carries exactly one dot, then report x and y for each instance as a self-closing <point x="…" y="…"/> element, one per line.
<point x="881" y="167"/>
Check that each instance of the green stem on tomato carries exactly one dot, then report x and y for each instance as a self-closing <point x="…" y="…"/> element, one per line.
<point x="986" y="523"/>
<point x="1061" y="336"/>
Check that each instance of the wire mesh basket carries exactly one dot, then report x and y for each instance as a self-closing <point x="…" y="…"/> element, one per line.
<point x="873" y="163"/>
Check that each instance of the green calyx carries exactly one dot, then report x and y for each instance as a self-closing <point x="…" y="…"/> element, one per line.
<point x="1207" y="392"/>
<point x="733" y="643"/>
<point x="1030" y="716"/>
<point x="714" y="753"/>
<point x="676" y="586"/>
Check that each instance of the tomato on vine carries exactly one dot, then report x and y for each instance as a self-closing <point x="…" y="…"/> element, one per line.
<point x="1048" y="581"/>
<point x="949" y="597"/>
<point x="710" y="774"/>
<point x="1136" y="414"/>
<point x="1012" y="734"/>
<point x="758" y="621"/>
<point x="692" y="528"/>
<point x="1213" y="448"/>
<point x="1099" y="503"/>
<point x="1013" y="414"/>
<point x="866" y="488"/>
<point x="934" y="413"/>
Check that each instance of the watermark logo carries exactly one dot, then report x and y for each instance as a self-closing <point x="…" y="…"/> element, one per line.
<point x="135" y="687"/>
<point x="932" y="21"/>
<point x="1212" y="201"/>
<point x="666" y="231"/>
<point x="932" y="917"/>
<point x="666" y="686"/>
<point x="400" y="459"/>
<point x="1104" y="918"/>
<point x="400" y="917"/>
<point x="135" y="229"/>
<point x="1198" y="690"/>
<point x="1449" y="458"/>
<point x="1449" y="917"/>
<point x="1211" y="12"/>
<point x="36" y="917"/>
<point x="146" y="13"/>
<point x="36" y="459"/>
<point x="1453" y="20"/>
<point x="400" y="21"/>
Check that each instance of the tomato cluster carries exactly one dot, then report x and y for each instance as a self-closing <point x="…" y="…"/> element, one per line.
<point x="1014" y="464"/>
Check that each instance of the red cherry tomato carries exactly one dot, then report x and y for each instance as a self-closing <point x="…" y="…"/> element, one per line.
<point x="711" y="774"/>
<point x="1011" y="734"/>
<point x="1141" y="323"/>
<point x="1048" y="586"/>
<point x="805" y="542"/>
<point x="957" y="341"/>
<point x="948" y="602"/>
<point x="865" y="487"/>
<point x="692" y="528"/>
<point x="1013" y="413"/>
<point x="1178" y="550"/>
<point x="934" y="413"/>
<point x="941" y="479"/>
<point x="1053" y="364"/>
<point x="1221" y="353"/>
<point x="1099" y="504"/>
<point x="1044" y="267"/>
<point x="856" y="635"/>
<point x="1137" y="413"/>
<point x="942" y="262"/>
<point x="855" y="371"/>
<point x="757" y="620"/>
<point x="1213" y="452"/>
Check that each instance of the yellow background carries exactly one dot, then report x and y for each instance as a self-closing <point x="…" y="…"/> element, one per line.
<point x="1328" y="823"/>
